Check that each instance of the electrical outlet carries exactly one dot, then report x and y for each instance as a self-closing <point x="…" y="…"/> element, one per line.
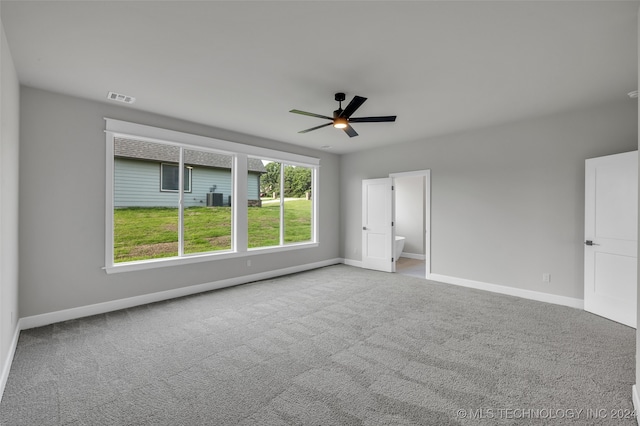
<point x="546" y="277"/>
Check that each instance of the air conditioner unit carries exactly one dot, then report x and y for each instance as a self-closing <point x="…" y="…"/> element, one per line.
<point x="214" y="199"/>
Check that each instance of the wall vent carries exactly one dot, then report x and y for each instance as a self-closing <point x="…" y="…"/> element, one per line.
<point x="121" y="98"/>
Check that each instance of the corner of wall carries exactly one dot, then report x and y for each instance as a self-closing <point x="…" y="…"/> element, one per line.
<point x="8" y="360"/>
<point x="9" y="168"/>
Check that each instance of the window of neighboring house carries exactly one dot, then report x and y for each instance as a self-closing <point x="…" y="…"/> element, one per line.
<point x="207" y="208"/>
<point x="169" y="177"/>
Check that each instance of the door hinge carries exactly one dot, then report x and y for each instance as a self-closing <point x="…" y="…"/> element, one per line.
<point x="392" y="260"/>
<point x="393" y="187"/>
<point x="391" y="223"/>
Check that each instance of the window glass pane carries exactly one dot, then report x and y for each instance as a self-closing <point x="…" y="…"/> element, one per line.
<point x="207" y="208"/>
<point x="145" y="218"/>
<point x="169" y="177"/>
<point x="263" y="193"/>
<point x="297" y="204"/>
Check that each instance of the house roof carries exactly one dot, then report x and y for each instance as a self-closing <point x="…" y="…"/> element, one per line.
<point x="150" y="151"/>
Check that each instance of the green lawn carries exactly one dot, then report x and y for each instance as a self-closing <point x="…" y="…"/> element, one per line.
<point x="151" y="233"/>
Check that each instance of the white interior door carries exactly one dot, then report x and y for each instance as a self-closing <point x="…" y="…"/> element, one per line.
<point x="611" y="234"/>
<point x="377" y="224"/>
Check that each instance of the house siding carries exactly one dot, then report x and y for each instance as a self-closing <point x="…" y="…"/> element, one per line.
<point x="137" y="184"/>
<point x="203" y="180"/>
<point x="253" y="186"/>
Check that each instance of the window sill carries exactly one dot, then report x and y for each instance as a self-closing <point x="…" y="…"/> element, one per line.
<point x="198" y="258"/>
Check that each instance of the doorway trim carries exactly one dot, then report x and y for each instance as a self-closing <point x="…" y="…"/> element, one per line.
<point x="426" y="210"/>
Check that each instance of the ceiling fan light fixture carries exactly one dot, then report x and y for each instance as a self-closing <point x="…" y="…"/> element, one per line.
<point x="340" y="123"/>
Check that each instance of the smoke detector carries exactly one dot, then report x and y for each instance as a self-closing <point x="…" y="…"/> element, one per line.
<point x="119" y="97"/>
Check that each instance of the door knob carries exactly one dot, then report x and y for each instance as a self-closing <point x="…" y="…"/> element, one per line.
<point x="364" y="228"/>
<point x="591" y="243"/>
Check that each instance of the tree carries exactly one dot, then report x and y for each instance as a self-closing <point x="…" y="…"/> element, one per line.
<point x="270" y="181"/>
<point x="297" y="180"/>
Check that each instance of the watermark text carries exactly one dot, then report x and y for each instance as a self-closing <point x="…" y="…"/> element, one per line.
<point x="545" y="413"/>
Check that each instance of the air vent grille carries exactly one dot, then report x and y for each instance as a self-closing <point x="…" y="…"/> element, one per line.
<point x="119" y="97"/>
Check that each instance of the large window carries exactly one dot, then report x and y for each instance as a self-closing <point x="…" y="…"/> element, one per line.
<point x="174" y="198"/>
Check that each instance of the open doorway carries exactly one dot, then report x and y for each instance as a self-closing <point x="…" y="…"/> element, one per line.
<point x="412" y="222"/>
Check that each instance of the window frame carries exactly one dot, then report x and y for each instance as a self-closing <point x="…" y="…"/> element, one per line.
<point x="240" y="154"/>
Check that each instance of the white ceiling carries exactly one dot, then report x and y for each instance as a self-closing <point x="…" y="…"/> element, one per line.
<point x="441" y="67"/>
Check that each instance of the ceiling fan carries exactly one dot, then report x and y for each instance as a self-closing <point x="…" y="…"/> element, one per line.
<point x="342" y="117"/>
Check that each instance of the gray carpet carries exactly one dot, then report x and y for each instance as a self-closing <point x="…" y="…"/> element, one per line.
<point x="334" y="346"/>
<point x="411" y="267"/>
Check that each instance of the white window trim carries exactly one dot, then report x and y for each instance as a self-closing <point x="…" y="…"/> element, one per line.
<point x="240" y="152"/>
<point x="205" y="257"/>
<point x="156" y="134"/>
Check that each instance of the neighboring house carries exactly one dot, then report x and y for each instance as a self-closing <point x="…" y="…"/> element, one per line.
<point x="146" y="175"/>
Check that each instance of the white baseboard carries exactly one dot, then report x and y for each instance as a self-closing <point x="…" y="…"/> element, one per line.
<point x="511" y="291"/>
<point x="636" y="401"/>
<point x="6" y="367"/>
<point x="358" y="263"/>
<point x="495" y="288"/>
<point x="351" y="262"/>
<point x="412" y="256"/>
<point x="114" y="305"/>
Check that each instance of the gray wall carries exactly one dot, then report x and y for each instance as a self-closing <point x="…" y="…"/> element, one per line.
<point x="62" y="239"/>
<point x="9" y="149"/>
<point x="507" y="201"/>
